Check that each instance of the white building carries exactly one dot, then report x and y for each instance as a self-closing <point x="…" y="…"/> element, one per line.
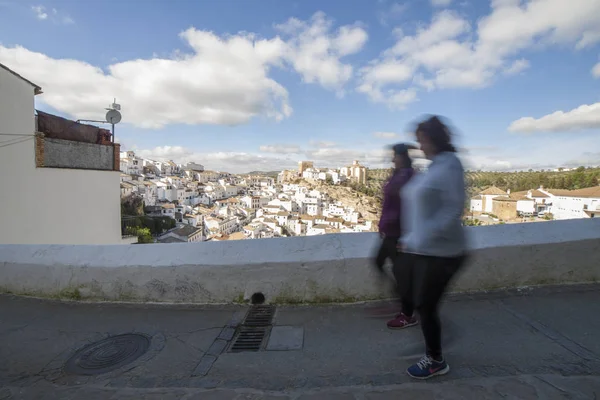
<point x="182" y="234"/>
<point x="571" y="204"/>
<point x="483" y="202"/>
<point x="219" y="224"/>
<point x="195" y="167"/>
<point x="355" y="172"/>
<point x="42" y="204"/>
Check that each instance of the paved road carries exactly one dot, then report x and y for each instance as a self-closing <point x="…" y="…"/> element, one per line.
<point x="532" y="344"/>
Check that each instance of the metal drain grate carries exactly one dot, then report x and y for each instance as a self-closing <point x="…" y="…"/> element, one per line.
<point x="249" y="339"/>
<point x="259" y="316"/>
<point x="108" y="354"/>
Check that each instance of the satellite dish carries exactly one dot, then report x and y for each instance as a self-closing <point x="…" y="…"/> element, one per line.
<point x="113" y="117"/>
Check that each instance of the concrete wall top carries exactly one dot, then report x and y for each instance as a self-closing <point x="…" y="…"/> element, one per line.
<point x="283" y="250"/>
<point x="69" y="154"/>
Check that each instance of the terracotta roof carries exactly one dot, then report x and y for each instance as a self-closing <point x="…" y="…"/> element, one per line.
<point x="36" y="89"/>
<point x="537" y="193"/>
<point x="519" y="197"/>
<point x="237" y="236"/>
<point x="492" y="190"/>
<point x="558" y="192"/>
<point x="591" y="192"/>
<point x="521" y="193"/>
<point x="503" y="199"/>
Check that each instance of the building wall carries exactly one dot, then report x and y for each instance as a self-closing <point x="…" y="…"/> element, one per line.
<point x="572" y="207"/>
<point x="505" y="209"/>
<point x="476" y="205"/>
<point x="46" y="205"/>
<point x="526" y="206"/>
<point x="66" y="153"/>
<point x="488" y="202"/>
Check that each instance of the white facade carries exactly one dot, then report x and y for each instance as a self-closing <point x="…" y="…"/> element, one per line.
<point x="477" y="204"/>
<point x="526" y="206"/>
<point x="567" y="207"/>
<point x="220" y="224"/>
<point x="48" y="205"/>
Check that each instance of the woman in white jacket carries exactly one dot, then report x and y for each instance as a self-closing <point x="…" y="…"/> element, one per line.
<point x="434" y="241"/>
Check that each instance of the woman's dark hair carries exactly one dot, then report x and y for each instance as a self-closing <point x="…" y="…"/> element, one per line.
<point x="401" y="150"/>
<point x="438" y="133"/>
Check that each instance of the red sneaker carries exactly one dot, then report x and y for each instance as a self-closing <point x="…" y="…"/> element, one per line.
<point x="402" y="321"/>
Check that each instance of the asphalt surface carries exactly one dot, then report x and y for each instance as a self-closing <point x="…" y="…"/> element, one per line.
<point x="542" y="343"/>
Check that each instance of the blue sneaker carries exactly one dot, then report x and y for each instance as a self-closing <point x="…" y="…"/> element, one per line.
<point x="427" y="368"/>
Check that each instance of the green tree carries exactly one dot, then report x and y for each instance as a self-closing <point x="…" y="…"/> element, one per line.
<point x="132" y="205"/>
<point x="143" y="234"/>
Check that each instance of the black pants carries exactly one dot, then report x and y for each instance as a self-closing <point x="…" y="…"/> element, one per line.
<point x="403" y="273"/>
<point x="387" y="249"/>
<point x="422" y="281"/>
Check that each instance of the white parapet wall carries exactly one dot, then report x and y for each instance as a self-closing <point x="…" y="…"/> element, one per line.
<point x="327" y="268"/>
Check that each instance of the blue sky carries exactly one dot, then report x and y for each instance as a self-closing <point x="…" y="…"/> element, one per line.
<point x="240" y="85"/>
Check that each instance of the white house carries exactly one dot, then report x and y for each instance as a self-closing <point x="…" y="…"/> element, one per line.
<point x="220" y="224"/>
<point x="571" y="204"/>
<point x="182" y="234"/>
<point x="90" y="214"/>
<point x="483" y="202"/>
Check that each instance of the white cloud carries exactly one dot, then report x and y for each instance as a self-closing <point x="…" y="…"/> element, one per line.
<point x="450" y="52"/>
<point x="580" y="118"/>
<point x="221" y="80"/>
<point x="517" y="67"/>
<point x="40" y="12"/>
<point x="238" y="162"/>
<point x="280" y="148"/>
<point x="53" y="15"/>
<point x="392" y="12"/>
<point x="224" y="81"/>
<point x="596" y="71"/>
<point x="315" y="52"/>
<point x="441" y="3"/>
<point x="386" y="135"/>
<point x="321" y="143"/>
<point x="552" y="152"/>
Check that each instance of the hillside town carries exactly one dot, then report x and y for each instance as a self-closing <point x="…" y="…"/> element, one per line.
<point x="217" y="206"/>
<point x="496" y="205"/>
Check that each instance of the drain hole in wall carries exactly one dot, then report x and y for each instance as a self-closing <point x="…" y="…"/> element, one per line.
<point x="257" y="298"/>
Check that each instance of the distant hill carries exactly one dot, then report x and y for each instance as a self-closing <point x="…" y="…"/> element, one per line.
<point x="515" y="181"/>
<point x="272" y="174"/>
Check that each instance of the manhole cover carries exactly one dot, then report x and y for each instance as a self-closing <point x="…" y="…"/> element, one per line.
<point x="108" y="354"/>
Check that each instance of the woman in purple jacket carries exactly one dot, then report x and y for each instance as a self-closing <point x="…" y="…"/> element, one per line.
<point x="390" y="228"/>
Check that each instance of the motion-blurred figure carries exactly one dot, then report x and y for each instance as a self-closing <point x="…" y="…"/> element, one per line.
<point x="390" y="226"/>
<point x="433" y="242"/>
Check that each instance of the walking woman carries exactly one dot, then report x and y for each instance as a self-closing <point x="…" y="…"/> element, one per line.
<point x="434" y="242"/>
<point x="390" y="228"/>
